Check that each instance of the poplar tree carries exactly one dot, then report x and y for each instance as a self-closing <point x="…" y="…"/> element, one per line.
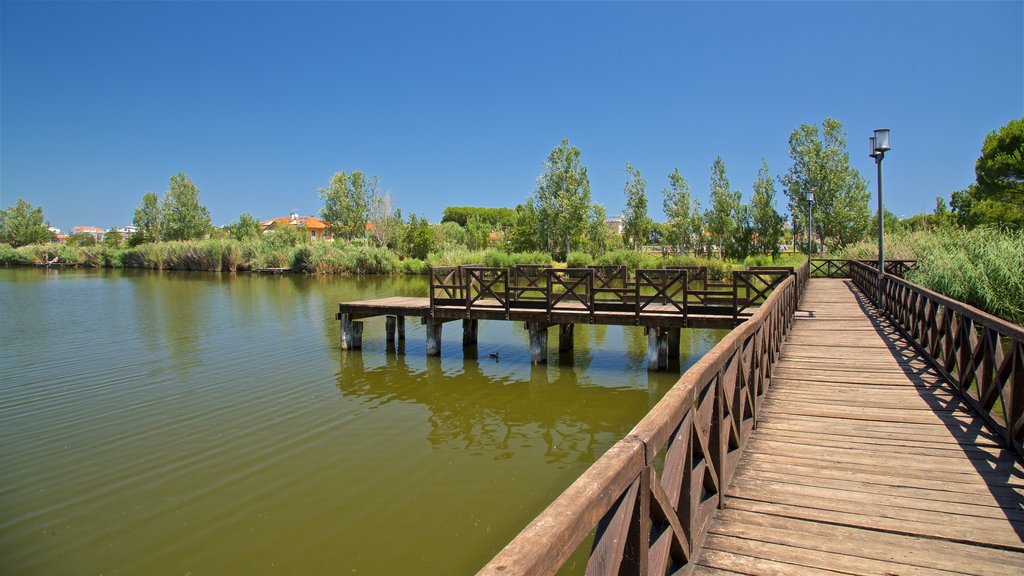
<point x="182" y="216"/>
<point x="721" y="216"/>
<point x="147" y="219"/>
<point x="561" y="200"/>
<point x="636" y="226"/>
<point x="683" y="212"/>
<point x="768" y="223"/>
<point x="821" y="164"/>
<point x="347" y="200"/>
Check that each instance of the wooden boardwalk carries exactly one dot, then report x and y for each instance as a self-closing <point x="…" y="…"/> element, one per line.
<point x="865" y="461"/>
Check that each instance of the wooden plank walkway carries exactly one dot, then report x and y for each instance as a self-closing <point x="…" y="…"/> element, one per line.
<point x="865" y="462"/>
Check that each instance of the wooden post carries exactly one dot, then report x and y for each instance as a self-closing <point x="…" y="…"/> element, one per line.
<point x="400" y="321"/>
<point x="673" y="343"/>
<point x="565" y="337"/>
<point x="469" y="331"/>
<point x="433" y="337"/>
<point x="657" y="348"/>
<point x="389" y="329"/>
<point x="351" y="333"/>
<point x="538" y="342"/>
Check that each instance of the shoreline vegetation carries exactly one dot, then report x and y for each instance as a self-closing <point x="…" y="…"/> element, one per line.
<point x="339" y="257"/>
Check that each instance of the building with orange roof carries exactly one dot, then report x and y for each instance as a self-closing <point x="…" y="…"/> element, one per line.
<point x="93" y="231"/>
<point x="318" y="229"/>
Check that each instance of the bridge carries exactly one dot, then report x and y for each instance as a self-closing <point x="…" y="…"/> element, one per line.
<point x="858" y="425"/>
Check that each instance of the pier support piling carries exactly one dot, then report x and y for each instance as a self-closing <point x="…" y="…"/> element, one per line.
<point x="538" y="342"/>
<point x="673" y="343"/>
<point x="433" y="337"/>
<point x="565" y="337"/>
<point x="469" y="332"/>
<point x="657" y="348"/>
<point x="389" y="329"/>
<point x="351" y="333"/>
<point x="400" y="322"/>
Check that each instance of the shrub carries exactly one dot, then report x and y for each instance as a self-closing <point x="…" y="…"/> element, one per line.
<point x="8" y="255"/>
<point x="578" y="260"/>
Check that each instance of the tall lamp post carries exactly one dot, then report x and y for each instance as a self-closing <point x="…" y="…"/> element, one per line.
<point x="810" y="226"/>
<point x="879" y="146"/>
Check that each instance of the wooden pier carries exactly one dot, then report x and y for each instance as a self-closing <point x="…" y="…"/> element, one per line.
<point x="663" y="301"/>
<point x="826" y="435"/>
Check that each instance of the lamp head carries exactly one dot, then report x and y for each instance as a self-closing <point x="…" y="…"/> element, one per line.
<point x="810" y="197"/>
<point x="882" y="140"/>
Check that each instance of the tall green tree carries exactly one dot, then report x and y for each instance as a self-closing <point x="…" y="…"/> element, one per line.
<point x="597" y="230"/>
<point x="524" y="236"/>
<point x="768" y="223"/>
<point x="721" y="217"/>
<point x="683" y="227"/>
<point x="562" y="199"/>
<point x="246" y="227"/>
<point x="21" y="225"/>
<point x="385" y="221"/>
<point x="636" y="225"/>
<point x="347" y="200"/>
<point x="183" y="217"/>
<point x="148" y="217"/>
<point x="418" y="239"/>
<point x="1000" y="169"/>
<point x="821" y="164"/>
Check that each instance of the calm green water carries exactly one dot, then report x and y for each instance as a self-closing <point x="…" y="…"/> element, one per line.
<point x="189" y="423"/>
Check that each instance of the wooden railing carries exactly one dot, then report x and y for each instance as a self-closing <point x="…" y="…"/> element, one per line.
<point x="982" y="355"/>
<point x="650" y="498"/>
<point x="676" y="291"/>
<point x="840" y="267"/>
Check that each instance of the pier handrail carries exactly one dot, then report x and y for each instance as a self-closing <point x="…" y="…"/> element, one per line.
<point x="650" y="497"/>
<point x="982" y="355"/>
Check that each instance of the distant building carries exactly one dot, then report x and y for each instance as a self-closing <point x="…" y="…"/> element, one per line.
<point x="615" y="224"/>
<point x="318" y="229"/>
<point x="126" y="231"/>
<point x="93" y="231"/>
<point x="53" y="229"/>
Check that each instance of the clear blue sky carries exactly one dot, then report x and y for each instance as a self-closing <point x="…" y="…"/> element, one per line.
<point x="458" y="103"/>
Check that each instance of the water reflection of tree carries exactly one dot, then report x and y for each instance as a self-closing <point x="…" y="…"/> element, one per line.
<point x="477" y="412"/>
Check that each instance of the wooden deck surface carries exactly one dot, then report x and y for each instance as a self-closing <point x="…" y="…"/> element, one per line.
<point x="865" y="462"/>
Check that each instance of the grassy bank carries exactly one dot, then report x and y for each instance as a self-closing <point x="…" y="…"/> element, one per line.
<point x="228" y="255"/>
<point x="983" y="267"/>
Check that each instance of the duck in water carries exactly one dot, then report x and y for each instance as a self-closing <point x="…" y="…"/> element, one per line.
<point x="496" y="356"/>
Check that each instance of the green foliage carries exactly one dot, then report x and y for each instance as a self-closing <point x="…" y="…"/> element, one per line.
<point x="636" y="222"/>
<point x="347" y="201"/>
<point x="477" y="234"/>
<point x="113" y="239"/>
<point x="21" y="225"/>
<point x="247" y="227"/>
<point x="722" y="216"/>
<point x="8" y="255"/>
<point x="562" y="199"/>
<point x="81" y="239"/>
<point x="685" y="222"/>
<point x="342" y="258"/>
<point x="286" y="236"/>
<point x="182" y="217"/>
<point x="524" y="235"/>
<point x="491" y="257"/>
<point x="767" y="221"/>
<point x="598" y="237"/>
<point x="497" y="217"/>
<point x="821" y="165"/>
<point x="632" y="260"/>
<point x="1000" y="169"/>
<point x="578" y="260"/>
<point x="449" y="235"/>
<point x="385" y="226"/>
<point x="418" y="239"/>
<point x="148" y="217"/>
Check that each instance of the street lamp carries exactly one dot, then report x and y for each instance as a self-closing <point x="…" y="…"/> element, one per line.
<point x="879" y="146"/>
<point x="810" y="216"/>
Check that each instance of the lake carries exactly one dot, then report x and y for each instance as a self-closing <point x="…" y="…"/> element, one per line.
<point x="209" y="423"/>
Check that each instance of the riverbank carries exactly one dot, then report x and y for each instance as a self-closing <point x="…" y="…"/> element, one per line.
<point x="228" y="255"/>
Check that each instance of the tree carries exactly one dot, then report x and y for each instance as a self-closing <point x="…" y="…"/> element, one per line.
<point x="721" y="216"/>
<point x="740" y="243"/>
<point x="478" y="234"/>
<point x="1000" y="169"/>
<point x="821" y="165"/>
<point x="245" y="228"/>
<point x="182" y="216"/>
<point x="418" y="239"/>
<point x="524" y="236"/>
<point x="113" y="238"/>
<point x="562" y="198"/>
<point x="683" y="212"/>
<point x="636" y="225"/>
<point x="21" y="224"/>
<point x="347" y="203"/>
<point x="597" y="230"/>
<point x="496" y="217"/>
<point x="385" y="222"/>
<point x="148" y="217"/>
<point x="768" y="222"/>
